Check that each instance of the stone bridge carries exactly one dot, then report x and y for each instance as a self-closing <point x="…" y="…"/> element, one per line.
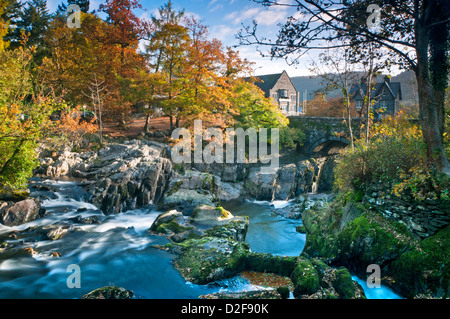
<point x="324" y="135"/>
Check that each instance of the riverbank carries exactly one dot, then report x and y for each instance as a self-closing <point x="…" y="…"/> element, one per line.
<point x="123" y="188"/>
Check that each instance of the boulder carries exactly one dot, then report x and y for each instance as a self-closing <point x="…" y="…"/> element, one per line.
<point x="168" y="217"/>
<point x="286" y="182"/>
<point x="191" y="189"/>
<point x="229" y="191"/>
<point x="259" y="184"/>
<point x="305" y="278"/>
<point x="304" y="177"/>
<point x="109" y="292"/>
<point x="208" y="215"/>
<point x="8" y="194"/>
<point x="208" y="259"/>
<point x="174" y="225"/>
<point x="13" y="214"/>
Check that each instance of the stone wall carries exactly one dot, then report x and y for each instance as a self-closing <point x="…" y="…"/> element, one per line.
<point x="422" y="219"/>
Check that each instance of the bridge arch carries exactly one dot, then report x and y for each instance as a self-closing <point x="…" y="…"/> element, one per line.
<point x="328" y="145"/>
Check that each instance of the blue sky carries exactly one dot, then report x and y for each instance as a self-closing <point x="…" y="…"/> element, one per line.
<point x="224" y="19"/>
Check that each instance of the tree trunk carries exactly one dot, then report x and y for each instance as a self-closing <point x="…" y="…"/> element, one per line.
<point x="430" y="105"/>
<point x="147" y="120"/>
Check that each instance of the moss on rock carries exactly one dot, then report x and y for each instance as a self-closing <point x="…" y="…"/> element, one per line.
<point x="371" y="239"/>
<point x="263" y="262"/>
<point x="109" y="292"/>
<point x="343" y="284"/>
<point x="305" y="278"/>
<point x="210" y="258"/>
<point x="425" y="268"/>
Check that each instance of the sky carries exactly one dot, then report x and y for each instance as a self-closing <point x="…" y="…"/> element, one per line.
<point x="224" y="19"/>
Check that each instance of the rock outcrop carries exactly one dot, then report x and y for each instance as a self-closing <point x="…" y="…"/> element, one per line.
<point x="17" y="213"/>
<point x="355" y="236"/>
<point x="124" y="176"/>
<point x="190" y="189"/>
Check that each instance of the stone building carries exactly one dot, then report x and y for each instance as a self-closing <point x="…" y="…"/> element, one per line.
<point x="281" y="89"/>
<point x="386" y="96"/>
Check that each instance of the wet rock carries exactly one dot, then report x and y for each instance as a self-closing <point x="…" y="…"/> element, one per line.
<point x="305" y="176"/>
<point x="285" y="183"/>
<point x="229" y="191"/>
<point x="109" y="292"/>
<point x="191" y="189"/>
<point x="13" y="214"/>
<point x="7" y="194"/>
<point x="208" y="215"/>
<point x="256" y="294"/>
<point x="171" y="216"/>
<point x="259" y="184"/>
<point x="305" y="278"/>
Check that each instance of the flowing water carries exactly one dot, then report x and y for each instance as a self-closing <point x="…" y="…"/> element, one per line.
<point x="120" y="251"/>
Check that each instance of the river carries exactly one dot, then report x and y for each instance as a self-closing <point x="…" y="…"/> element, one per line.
<point x="120" y="251"/>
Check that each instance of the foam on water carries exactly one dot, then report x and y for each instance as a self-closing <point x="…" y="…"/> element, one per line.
<point x="119" y="250"/>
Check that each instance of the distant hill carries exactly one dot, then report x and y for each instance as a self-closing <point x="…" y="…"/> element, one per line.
<point x="314" y="83"/>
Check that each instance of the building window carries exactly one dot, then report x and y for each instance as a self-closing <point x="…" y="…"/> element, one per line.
<point x="284" y="94"/>
<point x="293" y="97"/>
<point x="383" y="105"/>
<point x="274" y="95"/>
<point x="359" y="104"/>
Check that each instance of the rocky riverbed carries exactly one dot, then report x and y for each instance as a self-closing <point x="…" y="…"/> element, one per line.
<point x="208" y="242"/>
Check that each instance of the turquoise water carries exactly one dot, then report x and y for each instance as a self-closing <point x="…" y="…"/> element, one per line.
<point x="119" y="251"/>
<point x="269" y="232"/>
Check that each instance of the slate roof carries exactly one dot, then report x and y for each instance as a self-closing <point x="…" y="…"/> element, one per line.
<point x="266" y="82"/>
<point x="393" y="87"/>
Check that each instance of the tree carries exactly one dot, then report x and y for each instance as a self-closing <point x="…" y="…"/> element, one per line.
<point x="97" y="94"/>
<point x="10" y="11"/>
<point x="22" y="119"/>
<point x="33" y="21"/>
<point x="83" y="4"/>
<point x="127" y="28"/>
<point x="414" y="34"/>
<point x="339" y="74"/>
<point x="166" y="53"/>
<point x="4" y="25"/>
<point x="253" y="109"/>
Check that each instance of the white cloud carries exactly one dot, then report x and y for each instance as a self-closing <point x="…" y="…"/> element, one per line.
<point x="215" y="8"/>
<point x="263" y="16"/>
<point x="223" y="32"/>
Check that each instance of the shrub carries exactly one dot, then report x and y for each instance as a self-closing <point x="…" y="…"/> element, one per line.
<point x="392" y="154"/>
<point x="291" y="137"/>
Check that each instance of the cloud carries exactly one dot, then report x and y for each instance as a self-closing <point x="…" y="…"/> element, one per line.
<point x="215" y="8"/>
<point x="263" y="16"/>
<point x="223" y="32"/>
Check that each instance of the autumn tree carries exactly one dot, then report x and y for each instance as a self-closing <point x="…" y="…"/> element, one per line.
<point x="413" y="33"/>
<point x="166" y="51"/>
<point x="127" y="28"/>
<point x="22" y="119"/>
<point x="4" y="25"/>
